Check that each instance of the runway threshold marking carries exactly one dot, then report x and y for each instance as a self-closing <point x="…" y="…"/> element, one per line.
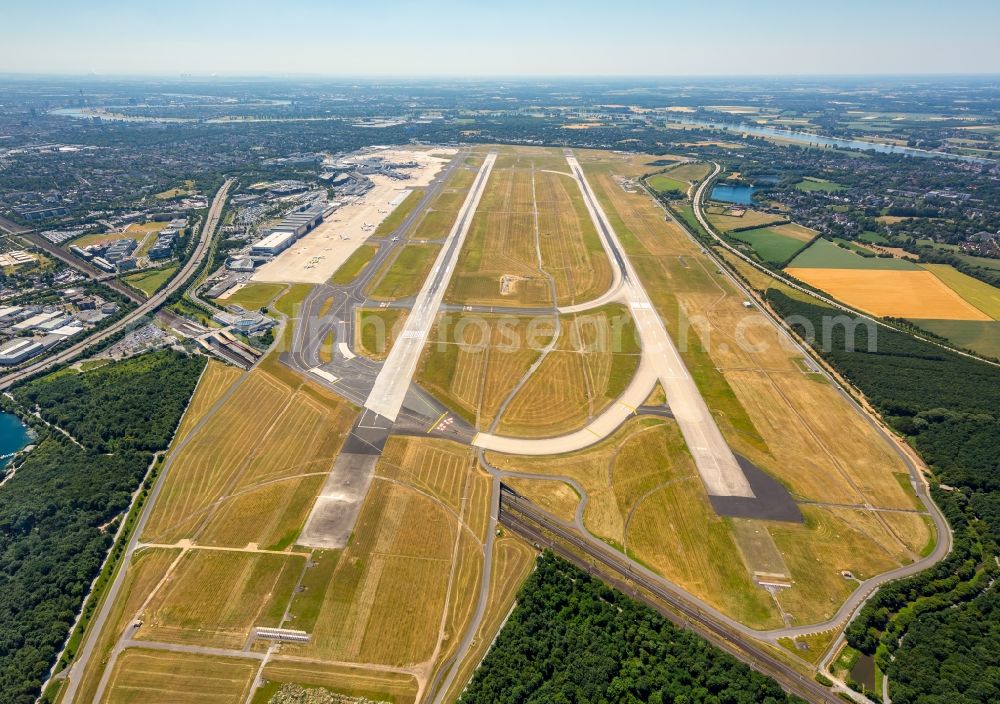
<point x="439" y="419"/>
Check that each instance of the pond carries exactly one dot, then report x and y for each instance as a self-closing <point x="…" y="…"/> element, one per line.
<point x="733" y="193"/>
<point x="13" y="437"/>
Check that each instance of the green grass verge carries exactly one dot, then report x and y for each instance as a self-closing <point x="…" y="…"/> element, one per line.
<point x="355" y="263"/>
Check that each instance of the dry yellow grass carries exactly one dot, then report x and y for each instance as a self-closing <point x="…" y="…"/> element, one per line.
<point x="831" y="540"/>
<point x="146" y="569"/>
<point x="556" y="497"/>
<point x="352" y="681"/>
<point x="473" y="363"/>
<point x="157" y="677"/>
<point x="512" y="562"/>
<point x="439" y="467"/>
<point x="215" y="597"/>
<point x="215" y="380"/>
<point x="795" y="231"/>
<point x="593" y="361"/>
<point x="248" y="475"/>
<point x="385" y="599"/>
<point x="896" y="293"/>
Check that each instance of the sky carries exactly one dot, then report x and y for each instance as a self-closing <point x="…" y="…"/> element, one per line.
<point x="484" y="38"/>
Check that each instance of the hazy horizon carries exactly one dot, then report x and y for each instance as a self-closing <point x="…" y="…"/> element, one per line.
<point x="452" y="39"/>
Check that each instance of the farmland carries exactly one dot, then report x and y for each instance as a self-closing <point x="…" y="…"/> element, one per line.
<point x="981" y="295"/>
<point x="913" y="293"/>
<point x="824" y="254"/>
<point x="774" y="245"/>
<point x="748" y="219"/>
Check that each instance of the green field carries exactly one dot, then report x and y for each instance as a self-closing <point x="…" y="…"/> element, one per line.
<point x="772" y="247"/>
<point x="982" y="336"/>
<point x="873" y="237"/>
<point x="398" y="215"/>
<point x="824" y="254"/>
<point x="149" y="282"/>
<point x="350" y="269"/>
<point x="664" y="184"/>
<point x="407" y="272"/>
<point x="979" y="293"/>
<point x="818" y="184"/>
<point x="252" y="296"/>
<point x="854" y="247"/>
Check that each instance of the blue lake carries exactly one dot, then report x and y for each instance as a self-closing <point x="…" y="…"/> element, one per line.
<point x="733" y="193"/>
<point x="13" y="436"/>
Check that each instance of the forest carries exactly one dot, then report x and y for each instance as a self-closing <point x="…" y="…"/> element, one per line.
<point x="935" y="633"/>
<point x="56" y="505"/>
<point x="572" y="639"/>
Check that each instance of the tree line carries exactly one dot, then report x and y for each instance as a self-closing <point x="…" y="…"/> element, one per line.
<point x="57" y="510"/>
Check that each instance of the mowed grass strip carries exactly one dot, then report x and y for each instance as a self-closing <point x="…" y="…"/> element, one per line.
<point x="395" y="219"/>
<point x="665" y="183"/>
<point x="214" y="382"/>
<point x="143" y="676"/>
<point x="810" y="183"/>
<point x="404" y="276"/>
<point x="376" y="330"/>
<point x="354" y="265"/>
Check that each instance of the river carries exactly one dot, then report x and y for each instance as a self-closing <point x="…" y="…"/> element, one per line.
<point x="820" y="140"/>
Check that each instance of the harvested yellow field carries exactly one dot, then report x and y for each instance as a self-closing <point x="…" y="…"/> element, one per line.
<point x="895" y="293"/>
<point x="795" y="231"/>
<point x="978" y="293"/>
<point x="214" y="382"/>
<point x="159" y="677"/>
<point x="378" y="685"/>
<point x="215" y="597"/>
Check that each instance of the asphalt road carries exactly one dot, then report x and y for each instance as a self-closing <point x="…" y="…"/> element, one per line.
<point x="146" y="308"/>
<point x="393" y="381"/>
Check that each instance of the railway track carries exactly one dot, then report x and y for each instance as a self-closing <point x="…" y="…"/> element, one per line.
<point x="528" y="520"/>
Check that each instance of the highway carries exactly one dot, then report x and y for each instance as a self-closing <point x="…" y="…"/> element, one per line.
<point x="719" y="470"/>
<point x="393" y="381"/>
<point x="146" y="308"/>
<point x="84" y="267"/>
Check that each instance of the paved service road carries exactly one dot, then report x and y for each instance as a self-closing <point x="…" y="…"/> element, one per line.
<point x="393" y="381"/>
<point x="147" y="308"/>
<point x="716" y="463"/>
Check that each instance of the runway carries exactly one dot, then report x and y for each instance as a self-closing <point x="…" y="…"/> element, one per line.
<point x="393" y="381"/>
<point x="719" y="470"/>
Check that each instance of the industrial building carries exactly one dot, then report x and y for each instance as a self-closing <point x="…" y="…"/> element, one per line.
<point x="19" y="349"/>
<point x="275" y="242"/>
